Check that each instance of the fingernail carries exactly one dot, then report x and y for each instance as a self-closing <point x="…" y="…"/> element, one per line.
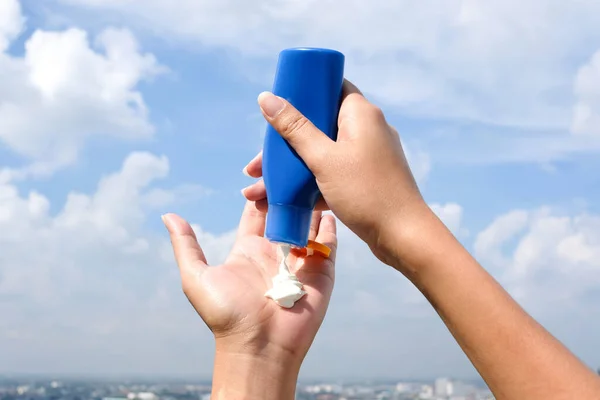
<point x="245" y="172"/>
<point x="244" y="190"/>
<point x="270" y="104"/>
<point x="164" y="220"/>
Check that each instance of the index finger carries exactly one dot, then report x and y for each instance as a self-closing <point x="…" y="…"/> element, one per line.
<point x="253" y="220"/>
<point x="349" y="88"/>
<point x="254" y="167"/>
<point x="352" y="101"/>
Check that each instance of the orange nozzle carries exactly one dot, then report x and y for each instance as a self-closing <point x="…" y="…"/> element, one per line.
<point x="313" y="248"/>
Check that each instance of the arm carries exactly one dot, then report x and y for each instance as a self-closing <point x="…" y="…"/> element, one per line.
<point x="366" y="182"/>
<point x="514" y="354"/>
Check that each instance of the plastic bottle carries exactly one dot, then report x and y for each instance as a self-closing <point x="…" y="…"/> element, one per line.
<point x="311" y="80"/>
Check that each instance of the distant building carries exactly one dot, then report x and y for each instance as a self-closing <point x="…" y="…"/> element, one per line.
<point x="443" y="387"/>
<point x="426" y="392"/>
<point x="403" y="388"/>
<point x="22" y="389"/>
<point x="142" y="396"/>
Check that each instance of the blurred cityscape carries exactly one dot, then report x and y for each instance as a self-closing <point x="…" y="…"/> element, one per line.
<point x="31" y="389"/>
<point x="41" y="389"/>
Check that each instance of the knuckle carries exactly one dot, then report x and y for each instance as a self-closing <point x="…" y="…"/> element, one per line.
<point x="294" y="126"/>
<point x="376" y="113"/>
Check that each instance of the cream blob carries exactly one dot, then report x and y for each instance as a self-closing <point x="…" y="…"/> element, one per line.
<point x="287" y="289"/>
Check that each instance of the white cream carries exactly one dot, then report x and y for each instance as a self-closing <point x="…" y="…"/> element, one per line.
<point x="287" y="289"/>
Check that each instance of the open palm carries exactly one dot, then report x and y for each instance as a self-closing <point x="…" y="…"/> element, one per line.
<point x="230" y="297"/>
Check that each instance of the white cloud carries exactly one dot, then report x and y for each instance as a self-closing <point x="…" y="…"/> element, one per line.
<point x="489" y="243"/>
<point x="45" y="248"/>
<point x="547" y="259"/>
<point x="64" y="89"/>
<point x="90" y="275"/>
<point x="498" y="61"/>
<point x="586" y="113"/>
<point x="11" y="22"/>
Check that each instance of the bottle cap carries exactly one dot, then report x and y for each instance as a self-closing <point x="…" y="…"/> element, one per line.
<point x="288" y="224"/>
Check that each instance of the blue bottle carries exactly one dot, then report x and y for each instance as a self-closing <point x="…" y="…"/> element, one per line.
<point x="311" y="80"/>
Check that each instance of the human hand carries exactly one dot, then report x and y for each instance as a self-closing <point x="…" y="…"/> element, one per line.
<point x="363" y="176"/>
<point x="255" y="338"/>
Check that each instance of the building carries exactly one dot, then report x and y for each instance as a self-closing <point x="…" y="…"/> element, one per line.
<point x="142" y="396"/>
<point x="426" y="392"/>
<point x="403" y="388"/>
<point x="443" y="387"/>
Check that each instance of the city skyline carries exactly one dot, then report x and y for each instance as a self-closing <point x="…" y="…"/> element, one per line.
<point x="438" y="389"/>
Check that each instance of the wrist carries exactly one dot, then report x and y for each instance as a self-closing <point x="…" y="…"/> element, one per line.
<point x="245" y="374"/>
<point x="408" y="239"/>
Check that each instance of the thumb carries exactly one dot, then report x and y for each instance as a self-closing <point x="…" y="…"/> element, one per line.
<point x="188" y="253"/>
<point x="310" y="143"/>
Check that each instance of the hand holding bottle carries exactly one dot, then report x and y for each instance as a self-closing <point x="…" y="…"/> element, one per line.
<point x="363" y="171"/>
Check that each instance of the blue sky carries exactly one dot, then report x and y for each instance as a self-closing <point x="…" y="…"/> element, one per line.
<point x="112" y="113"/>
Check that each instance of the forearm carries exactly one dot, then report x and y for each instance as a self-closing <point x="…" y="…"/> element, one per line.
<point x="516" y="356"/>
<point x="239" y="376"/>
